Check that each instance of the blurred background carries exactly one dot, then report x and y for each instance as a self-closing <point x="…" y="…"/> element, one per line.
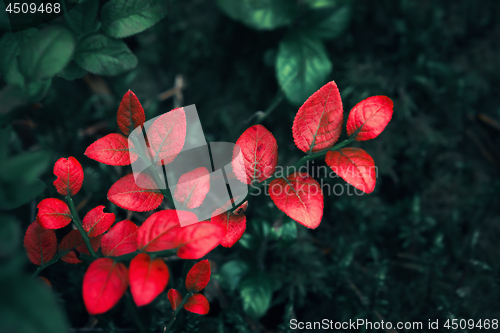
<point x="423" y="245"/>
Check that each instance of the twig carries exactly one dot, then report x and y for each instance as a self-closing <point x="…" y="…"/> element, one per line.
<point x="176" y="312"/>
<point x="78" y="223"/>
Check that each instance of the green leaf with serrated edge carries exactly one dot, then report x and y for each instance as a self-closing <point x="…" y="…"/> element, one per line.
<point x="256" y="293"/>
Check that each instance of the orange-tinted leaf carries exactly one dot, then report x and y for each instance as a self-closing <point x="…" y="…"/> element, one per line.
<point x="259" y="155"/>
<point x="371" y="115"/>
<point x="196" y="240"/>
<point x="40" y="244"/>
<point x="198" y="276"/>
<point x="192" y="187"/>
<point x="175" y="298"/>
<point x="104" y="284"/>
<point x="166" y="135"/>
<point x="148" y="278"/>
<point x="130" y="113"/>
<point x="74" y="241"/>
<point x="45" y="280"/>
<point x="97" y="222"/>
<point x="300" y="197"/>
<point x="113" y="149"/>
<point x="234" y="225"/>
<point x="318" y="123"/>
<point x="126" y="194"/>
<point x="120" y="240"/>
<point x="197" y="304"/>
<point x="69" y="175"/>
<point x="355" y="166"/>
<point x="53" y="213"/>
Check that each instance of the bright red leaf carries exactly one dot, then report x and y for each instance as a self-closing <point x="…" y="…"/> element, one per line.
<point x="113" y="149"/>
<point x="234" y="225"/>
<point x="74" y="241"/>
<point x="300" y="197"/>
<point x="197" y="239"/>
<point x="120" y="240"/>
<point x="40" y="244"/>
<point x="130" y="113"/>
<point x="198" y="276"/>
<point x="175" y="298"/>
<point x="371" y="115"/>
<point x="104" y="284"/>
<point x="53" y="213"/>
<point x="126" y="194"/>
<point x="197" y="304"/>
<point x="355" y="166"/>
<point x="166" y="135"/>
<point x="192" y="187"/>
<point x="97" y="222"/>
<point x="259" y="155"/>
<point x="318" y="123"/>
<point x="148" y="278"/>
<point x="69" y="175"/>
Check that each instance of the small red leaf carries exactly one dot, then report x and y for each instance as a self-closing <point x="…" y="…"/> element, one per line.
<point x="69" y="175"/>
<point x="97" y="222"/>
<point x="318" y="123"/>
<point x="46" y="281"/>
<point x="53" y="213"/>
<point x="175" y="298"/>
<point x="259" y="155"/>
<point x="234" y="225"/>
<point x="355" y="166"/>
<point x="197" y="304"/>
<point x="166" y="136"/>
<point x="148" y="278"/>
<point x="192" y="187"/>
<point x="198" y="276"/>
<point x="300" y="197"/>
<point x="112" y="149"/>
<point x="74" y="241"/>
<point x="196" y="240"/>
<point x="126" y="194"/>
<point x="104" y="284"/>
<point x="40" y="244"/>
<point x="130" y="113"/>
<point x="120" y="240"/>
<point x="371" y="115"/>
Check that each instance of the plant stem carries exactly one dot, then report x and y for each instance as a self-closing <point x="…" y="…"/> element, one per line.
<point x="129" y="304"/>
<point x="129" y="256"/>
<point x="47" y="264"/>
<point x="176" y="312"/>
<point x="79" y="226"/>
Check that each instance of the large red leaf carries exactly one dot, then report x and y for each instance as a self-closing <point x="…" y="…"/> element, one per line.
<point x="318" y="123"/>
<point x="97" y="222"/>
<point x="355" y="166"/>
<point x="69" y="175"/>
<point x="259" y="155"/>
<point x="74" y="241"/>
<point x="300" y="197"/>
<point x="175" y="298"/>
<point x="104" y="284"/>
<point x="197" y="304"/>
<point x="192" y="187"/>
<point x="130" y="113"/>
<point x="40" y="244"/>
<point x="166" y="135"/>
<point x="198" y="276"/>
<point x="126" y="194"/>
<point x="196" y="240"/>
<point x="120" y="240"/>
<point x="371" y="115"/>
<point x="53" y="213"/>
<point x="148" y="278"/>
<point x="113" y="149"/>
<point x="233" y="224"/>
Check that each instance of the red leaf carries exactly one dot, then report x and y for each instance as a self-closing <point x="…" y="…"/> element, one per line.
<point x="130" y="113"/>
<point x="192" y="187"/>
<point x="147" y="278"/>
<point x="166" y="135"/>
<point x="198" y="276"/>
<point x="318" y="123"/>
<point x="197" y="304"/>
<point x="69" y="175"/>
<point x="355" y="166"/>
<point x="300" y="197"/>
<point x="40" y="244"/>
<point x="53" y="213"/>
<point x="175" y="298"/>
<point x="120" y="240"/>
<point x="104" y="284"/>
<point x="371" y="115"/>
<point x="234" y="225"/>
<point x="112" y="149"/>
<point x="74" y="241"/>
<point x="97" y="222"/>
<point x="196" y="240"/>
<point x="46" y="281"/>
<point x="126" y="194"/>
<point x="259" y="155"/>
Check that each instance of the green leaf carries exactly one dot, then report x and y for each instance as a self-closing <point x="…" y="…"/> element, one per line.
<point x="15" y="195"/>
<point x="256" y="293"/>
<point x="328" y="23"/>
<point x="10" y="236"/>
<point x="232" y="272"/>
<point x="9" y="65"/>
<point x="123" y="18"/>
<point x="82" y="18"/>
<point x="103" y="55"/>
<point x="260" y="14"/>
<point x="46" y="53"/>
<point x="302" y="67"/>
<point x="72" y="72"/>
<point x="27" y="167"/>
<point x="287" y="232"/>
